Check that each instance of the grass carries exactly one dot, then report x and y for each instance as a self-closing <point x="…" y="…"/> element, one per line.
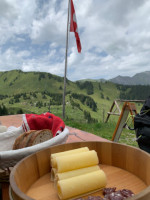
<point x="128" y="137"/>
<point x="75" y="118"/>
<point x="29" y="82"/>
<point x="105" y="130"/>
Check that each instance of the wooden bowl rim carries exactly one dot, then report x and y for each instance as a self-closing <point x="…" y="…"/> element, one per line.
<point x="21" y="194"/>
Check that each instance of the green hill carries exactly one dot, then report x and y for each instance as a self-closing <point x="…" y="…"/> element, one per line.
<point x="87" y="102"/>
<point x="40" y="92"/>
<point x="16" y="81"/>
<point x="34" y="91"/>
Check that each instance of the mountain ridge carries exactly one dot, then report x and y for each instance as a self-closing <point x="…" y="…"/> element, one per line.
<point x="142" y="78"/>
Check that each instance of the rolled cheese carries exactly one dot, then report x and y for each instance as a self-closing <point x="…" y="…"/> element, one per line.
<point x="80" y="185"/>
<point x="76" y="161"/>
<point x="69" y="152"/>
<point x="77" y="172"/>
<point x="53" y="174"/>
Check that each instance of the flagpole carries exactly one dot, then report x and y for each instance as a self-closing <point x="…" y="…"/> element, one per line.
<point x="64" y="93"/>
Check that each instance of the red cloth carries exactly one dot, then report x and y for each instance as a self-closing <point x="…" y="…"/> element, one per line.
<point x="43" y="121"/>
<point x="73" y="25"/>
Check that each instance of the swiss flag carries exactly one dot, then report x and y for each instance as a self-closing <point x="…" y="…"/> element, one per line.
<point x="73" y="25"/>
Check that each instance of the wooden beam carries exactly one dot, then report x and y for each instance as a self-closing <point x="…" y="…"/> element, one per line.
<point x="117" y="107"/>
<point x="126" y="109"/>
<point x="123" y="100"/>
<point x="111" y="113"/>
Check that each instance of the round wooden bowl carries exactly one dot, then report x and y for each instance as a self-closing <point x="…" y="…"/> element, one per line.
<point x="126" y="167"/>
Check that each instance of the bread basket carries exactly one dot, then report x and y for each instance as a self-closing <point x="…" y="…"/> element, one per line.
<point x="11" y="157"/>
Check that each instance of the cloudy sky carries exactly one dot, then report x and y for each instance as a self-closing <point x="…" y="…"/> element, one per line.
<point x="115" y="37"/>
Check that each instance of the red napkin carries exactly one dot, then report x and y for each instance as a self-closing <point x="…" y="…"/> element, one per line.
<point x="43" y="121"/>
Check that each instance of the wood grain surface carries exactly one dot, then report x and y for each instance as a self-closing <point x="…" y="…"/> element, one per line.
<point x="43" y="188"/>
<point x="125" y="167"/>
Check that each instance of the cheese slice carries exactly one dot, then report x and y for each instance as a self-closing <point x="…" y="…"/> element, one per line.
<point x="76" y="161"/>
<point x="69" y="152"/>
<point x="81" y="185"/>
<point x="77" y="172"/>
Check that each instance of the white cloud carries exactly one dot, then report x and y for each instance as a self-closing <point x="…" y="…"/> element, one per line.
<point x="16" y="18"/>
<point x="50" y="27"/>
<point x="114" y="35"/>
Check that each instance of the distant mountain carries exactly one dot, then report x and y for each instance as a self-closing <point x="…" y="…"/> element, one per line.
<point x="93" y="80"/>
<point x="142" y="78"/>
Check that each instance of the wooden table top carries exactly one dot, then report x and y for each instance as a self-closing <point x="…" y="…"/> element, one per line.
<point x="75" y="135"/>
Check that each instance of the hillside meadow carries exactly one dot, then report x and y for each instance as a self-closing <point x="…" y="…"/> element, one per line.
<point x="87" y="103"/>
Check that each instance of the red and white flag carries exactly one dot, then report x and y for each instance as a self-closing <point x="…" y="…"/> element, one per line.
<point x="73" y="25"/>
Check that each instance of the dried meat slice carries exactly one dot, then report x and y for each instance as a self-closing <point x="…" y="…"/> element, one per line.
<point x="112" y="194"/>
<point x="108" y="190"/>
<point x="127" y="193"/>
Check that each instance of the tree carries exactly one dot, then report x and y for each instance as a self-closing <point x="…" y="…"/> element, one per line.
<point x="86" y="85"/>
<point x="39" y="104"/>
<point x="60" y="88"/>
<point x="11" y="101"/>
<point x="87" y="116"/>
<point x="17" y="100"/>
<point x="89" y="101"/>
<point x="20" y="111"/>
<point x="44" y="97"/>
<point x="102" y="96"/>
<point x="34" y="95"/>
<point x="24" y="96"/>
<point x="41" y="75"/>
<point x="107" y="98"/>
<point x="3" y="110"/>
<point x="99" y="85"/>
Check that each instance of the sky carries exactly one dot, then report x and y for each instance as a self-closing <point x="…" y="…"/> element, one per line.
<point x="114" y="34"/>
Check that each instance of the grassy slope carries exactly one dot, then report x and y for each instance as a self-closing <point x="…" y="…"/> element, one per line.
<point x="29" y="82"/>
<point x="26" y="82"/>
